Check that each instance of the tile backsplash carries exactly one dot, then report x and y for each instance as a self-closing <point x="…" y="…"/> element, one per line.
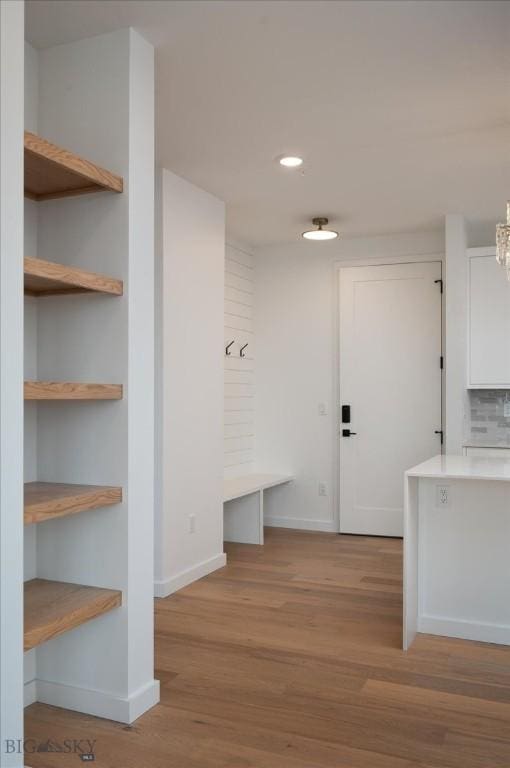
<point x="486" y="424"/>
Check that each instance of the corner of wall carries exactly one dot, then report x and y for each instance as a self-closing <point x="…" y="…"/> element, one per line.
<point x="456" y="276"/>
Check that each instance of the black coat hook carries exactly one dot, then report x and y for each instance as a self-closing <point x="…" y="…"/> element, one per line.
<point x="227" y="348"/>
<point x="241" y="351"/>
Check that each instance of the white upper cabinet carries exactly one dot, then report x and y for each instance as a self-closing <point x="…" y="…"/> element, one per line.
<point x="488" y="322"/>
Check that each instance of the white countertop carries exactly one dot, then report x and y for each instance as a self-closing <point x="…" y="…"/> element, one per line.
<point x="463" y="468"/>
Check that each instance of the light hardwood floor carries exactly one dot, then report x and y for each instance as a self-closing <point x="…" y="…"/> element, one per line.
<point x="290" y="658"/>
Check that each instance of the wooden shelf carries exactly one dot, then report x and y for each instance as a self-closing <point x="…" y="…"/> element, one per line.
<point x="55" y="607"/>
<point x="52" y="172"/>
<point x="46" y="278"/>
<point x="68" y="390"/>
<point x="47" y="501"/>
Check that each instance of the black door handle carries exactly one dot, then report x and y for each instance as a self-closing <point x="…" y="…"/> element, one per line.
<point x="348" y="433"/>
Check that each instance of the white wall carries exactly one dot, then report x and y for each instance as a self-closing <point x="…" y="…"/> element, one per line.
<point x="295" y="328"/>
<point x="11" y="373"/>
<point x="239" y="371"/>
<point x="190" y="364"/>
<point x="94" y="338"/>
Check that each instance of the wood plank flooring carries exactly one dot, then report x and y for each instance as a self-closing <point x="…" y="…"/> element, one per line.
<point x="290" y="658"/>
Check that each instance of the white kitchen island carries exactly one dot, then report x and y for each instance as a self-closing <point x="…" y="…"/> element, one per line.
<point x="456" y="549"/>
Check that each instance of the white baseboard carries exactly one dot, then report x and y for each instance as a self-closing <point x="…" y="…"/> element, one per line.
<point x="167" y="587"/>
<point x="328" y="526"/>
<point x="467" y="630"/>
<point x="30" y="693"/>
<point x="98" y="703"/>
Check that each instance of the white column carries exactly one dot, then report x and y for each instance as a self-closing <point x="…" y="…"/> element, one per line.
<point x="96" y="98"/>
<point x="11" y="381"/>
<point x="456" y="265"/>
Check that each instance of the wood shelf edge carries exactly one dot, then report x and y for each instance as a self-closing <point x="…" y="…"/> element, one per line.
<point x="49" y="501"/>
<point x="69" y="163"/>
<point x="54" y="607"/>
<point x="68" y="390"/>
<point x="62" y="279"/>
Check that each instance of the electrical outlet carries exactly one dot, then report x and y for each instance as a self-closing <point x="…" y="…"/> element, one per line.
<point x="192" y="523"/>
<point x="323" y="409"/>
<point x="442" y="496"/>
<point x="323" y="489"/>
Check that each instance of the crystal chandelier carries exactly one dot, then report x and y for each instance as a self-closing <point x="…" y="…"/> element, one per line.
<point x="503" y="242"/>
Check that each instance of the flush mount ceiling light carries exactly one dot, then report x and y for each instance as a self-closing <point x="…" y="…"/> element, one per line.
<point x="290" y="161"/>
<point x="503" y="242"/>
<point x="320" y="233"/>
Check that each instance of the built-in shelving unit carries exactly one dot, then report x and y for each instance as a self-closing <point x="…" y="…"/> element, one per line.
<point x="47" y="501"/>
<point x="87" y="337"/>
<point x="55" y="607"/>
<point x="46" y="278"/>
<point x="71" y="390"/>
<point x="52" y="172"/>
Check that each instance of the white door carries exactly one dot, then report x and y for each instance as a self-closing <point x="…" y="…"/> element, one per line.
<point x="390" y="376"/>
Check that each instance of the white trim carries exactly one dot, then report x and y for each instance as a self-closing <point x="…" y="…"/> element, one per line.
<point x="301" y="524"/>
<point x="468" y="630"/>
<point x="335" y="425"/>
<point x="486" y="250"/>
<point x="377" y="261"/>
<point x="99" y="703"/>
<point x="167" y="587"/>
<point x="29" y="693"/>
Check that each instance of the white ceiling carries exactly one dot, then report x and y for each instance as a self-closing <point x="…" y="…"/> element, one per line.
<point x="400" y="109"/>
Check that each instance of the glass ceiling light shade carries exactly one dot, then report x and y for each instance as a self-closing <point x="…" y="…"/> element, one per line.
<point x="503" y="242"/>
<point x="290" y="161"/>
<point x="320" y="233"/>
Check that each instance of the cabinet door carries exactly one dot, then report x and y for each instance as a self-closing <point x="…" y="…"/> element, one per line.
<point x="489" y="324"/>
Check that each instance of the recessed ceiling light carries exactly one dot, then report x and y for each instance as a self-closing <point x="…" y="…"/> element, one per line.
<point x="320" y="233"/>
<point x="290" y="161"/>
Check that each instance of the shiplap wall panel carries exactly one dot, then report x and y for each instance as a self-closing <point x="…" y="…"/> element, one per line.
<point x="240" y="284"/>
<point x="239" y="255"/>
<point x="239" y="297"/>
<point x="238" y="323"/>
<point x="238" y="417"/>
<point x="239" y="463"/>
<point x="242" y="429"/>
<point x="233" y="267"/>
<point x="237" y="309"/>
<point x="233" y="444"/>
<point x="239" y="376"/>
<point x="239" y="390"/>
<point x="239" y="430"/>
<point x="239" y="404"/>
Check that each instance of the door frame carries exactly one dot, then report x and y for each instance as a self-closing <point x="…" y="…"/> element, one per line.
<point x="375" y="261"/>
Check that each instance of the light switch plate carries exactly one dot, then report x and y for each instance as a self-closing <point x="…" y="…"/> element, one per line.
<point x="506" y="409"/>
